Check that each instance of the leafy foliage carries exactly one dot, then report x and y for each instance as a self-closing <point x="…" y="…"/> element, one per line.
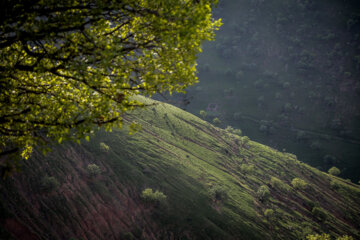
<point x="245" y="140"/>
<point x="325" y="236"/>
<point x="269" y="214"/>
<point x="203" y="113"/>
<point x="149" y="195"/>
<point x="93" y="170"/>
<point x="233" y="130"/>
<point x="335" y="185"/>
<point x="334" y="171"/>
<point x="218" y="192"/>
<point x="247" y="168"/>
<point x="299" y="184"/>
<point x="319" y="213"/>
<point x="278" y="184"/>
<point x="216" y="121"/>
<point x="263" y="193"/>
<point x="67" y="66"/>
<point x="49" y="184"/>
<point x="104" y="147"/>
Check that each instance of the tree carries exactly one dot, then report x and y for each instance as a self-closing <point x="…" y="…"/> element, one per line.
<point x="69" y="66"/>
<point x="203" y="113"/>
<point x="299" y="184"/>
<point x="319" y="213"/>
<point x="269" y="214"/>
<point x="49" y="184"/>
<point x="93" y="170"/>
<point x="325" y="236"/>
<point x="104" y="147"/>
<point x="334" y="171"/>
<point x="263" y="193"/>
<point x="218" y="193"/>
<point x="216" y="121"/>
<point x="149" y="195"/>
<point x="278" y="184"/>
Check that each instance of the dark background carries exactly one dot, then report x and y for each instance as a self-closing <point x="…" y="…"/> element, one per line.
<point x="287" y="74"/>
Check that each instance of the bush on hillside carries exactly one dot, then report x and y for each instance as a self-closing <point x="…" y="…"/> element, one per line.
<point x="334" y="171"/>
<point x="203" y="113"/>
<point x="247" y="168"/>
<point x="93" y="170"/>
<point x="263" y="193"/>
<point x="245" y="140"/>
<point x="104" y="147"/>
<point x="148" y="195"/>
<point x="325" y="236"/>
<point x="216" y="121"/>
<point x="278" y="184"/>
<point x="335" y="185"/>
<point x="218" y="193"/>
<point x="233" y="130"/>
<point x="319" y="213"/>
<point x="269" y="214"/>
<point x="49" y="184"/>
<point x="299" y="184"/>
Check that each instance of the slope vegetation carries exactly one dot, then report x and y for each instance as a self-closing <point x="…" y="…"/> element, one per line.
<point x="218" y="185"/>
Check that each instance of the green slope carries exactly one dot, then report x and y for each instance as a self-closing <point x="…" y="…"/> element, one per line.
<point x="210" y="177"/>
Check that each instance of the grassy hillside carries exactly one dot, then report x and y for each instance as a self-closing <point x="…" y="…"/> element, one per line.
<point x="211" y="178"/>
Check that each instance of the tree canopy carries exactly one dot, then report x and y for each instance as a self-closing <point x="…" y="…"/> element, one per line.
<point x="67" y="66"/>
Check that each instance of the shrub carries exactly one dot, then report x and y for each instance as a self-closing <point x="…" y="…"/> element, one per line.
<point x="216" y="121"/>
<point x="203" y="113"/>
<point x="233" y="130"/>
<point x="218" y="193"/>
<point x="104" y="147"/>
<point x="319" y="213"/>
<point x="263" y="193"/>
<point x="345" y="237"/>
<point x="311" y="204"/>
<point x="93" y="170"/>
<point x="299" y="183"/>
<point x="335" y="185"/>
<point x="334" y="171"/>
<point x="269" y="213"/>
<point x="245" y="140"/>
<point x="323" y="236"/>
<point x="237" y="132"/>
<point x="247" y="168"/>
<point x="148" y="195"/>
<point x="278" y="184"/>
<point x="49" y="184"/>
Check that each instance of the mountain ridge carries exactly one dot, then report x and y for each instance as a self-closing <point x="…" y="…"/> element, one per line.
<point x="211" y="178"/>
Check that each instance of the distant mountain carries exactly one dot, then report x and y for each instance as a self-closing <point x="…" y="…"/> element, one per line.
<point x="218" y="185"/>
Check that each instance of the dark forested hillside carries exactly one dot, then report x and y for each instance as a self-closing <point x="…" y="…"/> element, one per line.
<point x="287" y="74"/>
<point x="178" y="178"/>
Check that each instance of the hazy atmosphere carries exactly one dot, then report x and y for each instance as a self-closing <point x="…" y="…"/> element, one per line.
<point x="287" y="74"/>
<point x="180" y="120"/>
